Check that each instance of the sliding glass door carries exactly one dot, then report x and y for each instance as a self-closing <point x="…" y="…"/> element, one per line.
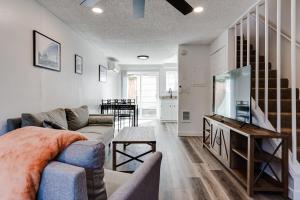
<point x="143" y="86"/>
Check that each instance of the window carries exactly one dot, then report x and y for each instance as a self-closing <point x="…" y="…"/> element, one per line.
<point x="171" y="80"/>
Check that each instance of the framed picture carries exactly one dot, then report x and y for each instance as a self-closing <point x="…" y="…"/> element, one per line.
<point x="46" y="52"/>
<point x="78" y="64"/>
<point x="102" y="73"/>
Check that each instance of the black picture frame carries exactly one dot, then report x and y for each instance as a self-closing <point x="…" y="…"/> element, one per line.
<point x="78" y="64"/>
<point x="50" y="56"/>
<point x="102" y="73"/>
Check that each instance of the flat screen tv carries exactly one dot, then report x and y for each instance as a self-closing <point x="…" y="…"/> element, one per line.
<point x="232" y="94"/>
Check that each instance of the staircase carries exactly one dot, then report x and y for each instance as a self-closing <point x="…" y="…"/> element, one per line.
<point x="286" y="110"/>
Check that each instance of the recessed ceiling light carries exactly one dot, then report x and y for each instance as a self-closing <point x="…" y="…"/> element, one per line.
<point x="198" y="9"/>
<point x="97" y="10"/>
<point x="143" y="57"/>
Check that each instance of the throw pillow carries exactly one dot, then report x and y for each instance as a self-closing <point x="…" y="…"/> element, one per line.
<point x="53" y="125"/>
<point x="29" y="119"/>
<point x="77" y="117"/>
<point x="58" y="116"/>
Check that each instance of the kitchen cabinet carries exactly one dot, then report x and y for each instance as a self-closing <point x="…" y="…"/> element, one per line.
<point x="168" y="109"/>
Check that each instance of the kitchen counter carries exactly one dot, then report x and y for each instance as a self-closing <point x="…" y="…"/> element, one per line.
<point x="168" y="97"/>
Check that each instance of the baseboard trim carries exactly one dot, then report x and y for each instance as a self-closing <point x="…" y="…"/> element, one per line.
<point x="189" y="133"/>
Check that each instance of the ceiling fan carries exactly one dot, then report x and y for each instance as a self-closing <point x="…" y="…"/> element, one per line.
<point x="139" y="6"/>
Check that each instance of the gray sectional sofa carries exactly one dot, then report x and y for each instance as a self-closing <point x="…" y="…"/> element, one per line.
<point x="77" y="173"/>
<point x="98" y="128"/>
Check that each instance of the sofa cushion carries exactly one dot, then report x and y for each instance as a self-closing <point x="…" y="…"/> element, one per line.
<point x="114" y="179"/>
<point x="98" y="133"/>
<point x="57" y="116"/>
<point x="77" y="117"/>
<point x="104" y="120"/>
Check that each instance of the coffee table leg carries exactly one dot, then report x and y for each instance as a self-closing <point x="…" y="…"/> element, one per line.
<point x="153" y="147"/>
<point x="114" y="157"/>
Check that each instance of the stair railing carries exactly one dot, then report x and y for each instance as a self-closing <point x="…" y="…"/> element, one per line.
<point x="254" y="10"/>
<point x="257" y="57"/>
<point x="239" y="22"/>
<point x="293" y="78"/>
<point x="273" y="27"/>
<point x="266" y="59"/>
<point x="278" y="63"/>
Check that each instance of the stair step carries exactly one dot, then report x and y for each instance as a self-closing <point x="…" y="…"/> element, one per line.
<point x="252" y="52"/>
<point x="239" y="40"/>
<point x="288" y="131"/>
<point x="286" y="119"/>
<point x="272" y="83"/>
<point x="253" y="65"/>
<point x="286" y="105"/>
<point x="252" y="58"/>
<point x="244" y="47"/>
<point x="261" y="73"/>
<point x="286" y="93"/>
<point x="251" y="55"/>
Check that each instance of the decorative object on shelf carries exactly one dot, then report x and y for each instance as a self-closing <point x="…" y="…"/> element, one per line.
<point x="102" y="73"/>
<point x="78" y="64"/>
<point x="46" y="52"/>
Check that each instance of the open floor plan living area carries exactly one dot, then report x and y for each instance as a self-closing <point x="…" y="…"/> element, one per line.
<point x="149" y="100"/>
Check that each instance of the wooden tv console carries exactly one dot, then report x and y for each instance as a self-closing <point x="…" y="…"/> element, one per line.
<point x="238" y="147"/>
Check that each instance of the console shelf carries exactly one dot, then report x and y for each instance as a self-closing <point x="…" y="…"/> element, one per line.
<point x="241" y="152"/>
<point x="239" y="148"/>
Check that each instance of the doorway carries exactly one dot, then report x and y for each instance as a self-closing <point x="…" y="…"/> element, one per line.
<point x="144" y="87"/>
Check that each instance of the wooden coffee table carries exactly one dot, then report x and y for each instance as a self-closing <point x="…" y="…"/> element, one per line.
<point x="133" y="135"/>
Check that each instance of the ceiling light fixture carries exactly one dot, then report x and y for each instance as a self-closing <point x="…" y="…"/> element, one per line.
<point x="143" y="57"/>
<point x="97" y="10"/>
<point x="198" y="9"/>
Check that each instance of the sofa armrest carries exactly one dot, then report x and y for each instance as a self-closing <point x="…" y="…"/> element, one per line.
<point x="144" y="182"/>
<point x="86" y="154"/>
<point x="104" y="120"/>
<point x="91" y="156"/>
<point x="62" y="181"/>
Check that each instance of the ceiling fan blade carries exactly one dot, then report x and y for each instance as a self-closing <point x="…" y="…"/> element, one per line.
<point x="89" y="3"/>
<point x="182" y="6"/>
<point x="138" y="8"/>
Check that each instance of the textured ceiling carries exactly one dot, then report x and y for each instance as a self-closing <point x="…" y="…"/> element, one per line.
<point x="158" y="35"/>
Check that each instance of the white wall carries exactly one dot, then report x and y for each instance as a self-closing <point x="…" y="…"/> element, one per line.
<point x="221" y="59"/>
<point x="193" y="70"/>
<point x="25" y="88"/>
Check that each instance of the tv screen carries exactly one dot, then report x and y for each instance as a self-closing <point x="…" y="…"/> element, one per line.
<point x="232" y="94"/>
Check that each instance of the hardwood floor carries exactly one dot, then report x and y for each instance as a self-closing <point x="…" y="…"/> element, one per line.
<point x="188" y="171"/>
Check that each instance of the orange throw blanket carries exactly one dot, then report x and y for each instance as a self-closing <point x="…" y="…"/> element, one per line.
<point x="24" y="153"/>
